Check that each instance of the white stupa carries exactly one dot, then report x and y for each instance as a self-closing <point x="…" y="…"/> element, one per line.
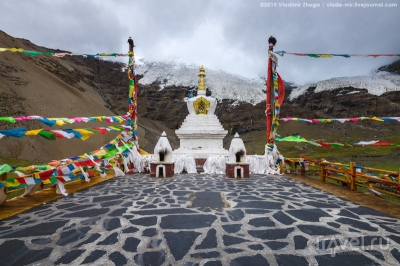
<point x="201" y="133"/>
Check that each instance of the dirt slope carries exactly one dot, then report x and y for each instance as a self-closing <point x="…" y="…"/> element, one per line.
<point x="28" y="87"/>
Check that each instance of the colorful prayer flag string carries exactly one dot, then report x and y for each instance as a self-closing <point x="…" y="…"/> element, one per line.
<point x="283" y="52"/>
<point x="62" y="121"/>
<point x="60" y="55"/>
<point x="336" y="144"/>
<point x="80" y="133"/>
<point x="342" y="120"/>
<point x="72" y="169"/>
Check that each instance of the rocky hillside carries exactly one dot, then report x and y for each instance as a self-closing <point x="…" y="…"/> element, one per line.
<point x="392" y="68"/>
<point x="48" y="87"/>
<point x="343" y="102"/>
<point x="77" y="86"/>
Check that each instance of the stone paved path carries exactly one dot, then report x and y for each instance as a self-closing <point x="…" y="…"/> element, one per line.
<point x="138" y="220"/>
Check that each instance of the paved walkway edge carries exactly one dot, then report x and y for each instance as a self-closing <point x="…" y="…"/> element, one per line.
<point x="382" y="205"/>
<point x="20" y="204"/>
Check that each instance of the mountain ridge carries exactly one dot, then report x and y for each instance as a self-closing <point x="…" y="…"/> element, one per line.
<point x="222" y="84"/>
<point x="88" y="87"/>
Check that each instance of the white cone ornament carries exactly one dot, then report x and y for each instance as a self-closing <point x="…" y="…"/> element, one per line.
<point x="163" y="149"/>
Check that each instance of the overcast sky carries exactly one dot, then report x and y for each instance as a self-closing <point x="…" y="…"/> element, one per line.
<point x="222" y="34"/>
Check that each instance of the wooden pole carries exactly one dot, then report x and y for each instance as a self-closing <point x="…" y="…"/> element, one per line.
<point x="302" y="166"/>
<point x="270" y="94"/>
<point x="2" y="178"/>
<point x="353" y="185"/>
<point x="322" y="171"/>
<point x="268" y="100"/>
<point x="398" y="177"/>
<point x="302" y="170"/>
<point x="133" y="96"/>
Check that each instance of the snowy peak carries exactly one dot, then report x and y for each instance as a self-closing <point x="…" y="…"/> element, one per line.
<point x="223" y="85"/>
<point x="376" y="84"/>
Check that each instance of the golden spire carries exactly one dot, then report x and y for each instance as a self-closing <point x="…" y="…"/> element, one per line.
<point x="202" y="82"/>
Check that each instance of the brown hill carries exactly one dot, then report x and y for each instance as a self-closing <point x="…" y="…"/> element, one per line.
<point x="50" y="87"/>
<point x="77" y="86"/>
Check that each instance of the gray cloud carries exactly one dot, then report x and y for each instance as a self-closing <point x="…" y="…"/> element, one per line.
<point x="230" y="35"/>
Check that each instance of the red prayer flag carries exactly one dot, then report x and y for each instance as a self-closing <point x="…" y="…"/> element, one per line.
<point x="281" y="90"/>
<point x="325" y="145"/>
<point x="21" y="180"/>
<point x="46" y="174"/>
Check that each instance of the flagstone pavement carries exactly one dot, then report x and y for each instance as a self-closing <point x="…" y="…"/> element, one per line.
<point x="200" y="219"/>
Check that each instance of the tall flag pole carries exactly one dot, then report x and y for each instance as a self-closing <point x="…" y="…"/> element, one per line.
<point x="270" y="92"/>
<point x="132" y="100"/>
<point x="274" y="98"/>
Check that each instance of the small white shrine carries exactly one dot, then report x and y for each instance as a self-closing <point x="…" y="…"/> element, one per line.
<point x="201" y="133"/>
<point x="237" y="166"/>
<point x="163" y="164"/>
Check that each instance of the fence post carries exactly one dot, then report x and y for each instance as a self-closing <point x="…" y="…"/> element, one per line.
<point x="302" y="170"/>
<point x="2" y="178"/>
<point x="398" y="177"/>
<point x="302" y="167"/>
<point x="353" y="177"/>
<point x="322" y="171"/>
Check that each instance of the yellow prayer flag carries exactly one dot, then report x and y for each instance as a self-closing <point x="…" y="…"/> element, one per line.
<point x="85" y="133"/>
<point x="59" y="122"/>
<point x="97" y="117"/>
<point x="142" y="152"/>
<point x="376" y="119"/>
<point x="99" y="152"/>
<point x="33" y="132"/>
<point x="114" y="128"/>
<point x="11" y="182"/>
<point x="15" y="49"/>
<point x="325" y="55"/>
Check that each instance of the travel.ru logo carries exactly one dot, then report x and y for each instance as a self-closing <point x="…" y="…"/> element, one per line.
<point x="339" y="243"/>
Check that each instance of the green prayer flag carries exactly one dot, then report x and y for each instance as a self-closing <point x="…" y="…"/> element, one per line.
<point x="5" y="168"/>
<point x="110" y="153"/>
<point x="335" y="145"/>
<point x="47" y="135"/>
<point x="8" y="119"/>
<point x="35" y="53"/>
<point x="293" y="138"/>
<point x="53" y="180"/>
<point x="41" y="167"/>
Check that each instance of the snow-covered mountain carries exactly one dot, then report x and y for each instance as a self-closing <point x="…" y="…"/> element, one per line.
<point x="376" y="84"/>
<point x="223" y="85"/>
